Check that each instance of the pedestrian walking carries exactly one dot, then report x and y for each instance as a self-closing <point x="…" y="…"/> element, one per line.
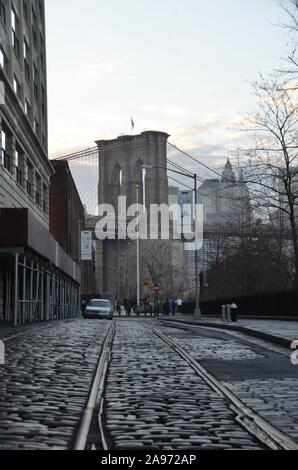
<point x="173" y="306"/>
<point x="166" y="307"/>
<point x="127" y="307"/>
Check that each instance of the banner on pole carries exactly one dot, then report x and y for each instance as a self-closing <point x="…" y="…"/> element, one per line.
<point x="86" y="246"/>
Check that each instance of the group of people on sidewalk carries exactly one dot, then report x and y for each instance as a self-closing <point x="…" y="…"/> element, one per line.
<point x="169" y="307"/>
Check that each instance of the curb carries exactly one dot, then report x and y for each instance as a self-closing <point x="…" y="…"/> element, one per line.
<point x="279" y="340"/>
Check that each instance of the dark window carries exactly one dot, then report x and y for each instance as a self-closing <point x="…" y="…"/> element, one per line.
<point x="36" y="126"/>
<point x="42" y="61"/>
<point x="2" y="12"/>
<point x="29" y="178"/>
<point x="35" y="81"/>
<point x="26" y="59"/>
<point x="25" y="9"/>
<point x="38" y="190"/>
<point x="43" y="101"/>
<point x="44" y="141"/>
<point x="45" y="199"/>
<point x="14" y="32"/>
<point x="34" y="28"/>
<point x="40" y="9"/>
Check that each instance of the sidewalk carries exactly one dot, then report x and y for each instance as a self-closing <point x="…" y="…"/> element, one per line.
<point x="7" y="331"/>
<point x="276" y="331"/>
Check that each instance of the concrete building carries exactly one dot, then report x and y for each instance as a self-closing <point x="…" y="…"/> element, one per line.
<point x="227" y="210"/>
<point x="67" y="220"/>
<point x="37" y="279"/>
<point x="226" y="200"/>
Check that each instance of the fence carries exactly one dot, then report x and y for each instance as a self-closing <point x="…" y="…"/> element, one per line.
<point x="279" y="304"/>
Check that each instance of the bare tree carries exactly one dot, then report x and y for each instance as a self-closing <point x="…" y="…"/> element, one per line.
<point x="158" y="264"/>
<point x="273" y="169"/>
<point x="290" y="7"/>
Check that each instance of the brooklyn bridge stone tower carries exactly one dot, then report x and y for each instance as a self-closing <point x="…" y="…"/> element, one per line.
<point x="120" y="171"/>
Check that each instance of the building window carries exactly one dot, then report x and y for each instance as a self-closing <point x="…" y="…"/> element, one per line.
<point x="26" y="59"/>
<point x="40" y="9"/>
<point x="34" y="29"/>
<point x="5" y="157"/>
<point x="45" y="199"/>
<point x="38" y="190"/>
<point x="36" y="126"/>
<point x="25" y="9"/>
<point x="16" y="87"/>
<point x="15" y="28"/>
<point x="44" y="141"/>
<point x="19" y="176"/>
<point x="42" y="61"/>
<point x="29" y="178"/>
<point x="3" y="146"/>
<point x="27" y="108"/>
<point x="35" y="82"/>
<point x="2" y="57"/>
<point x="43" y="101"/>
<point x="2" y="12"/>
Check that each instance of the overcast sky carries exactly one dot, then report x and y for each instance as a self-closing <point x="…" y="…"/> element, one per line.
<point x="183" y="67"/>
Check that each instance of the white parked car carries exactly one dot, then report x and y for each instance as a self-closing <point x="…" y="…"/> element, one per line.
<point x="98" y="308"/>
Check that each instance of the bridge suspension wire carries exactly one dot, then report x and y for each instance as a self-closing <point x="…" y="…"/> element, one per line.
<point x="84" y="166"/>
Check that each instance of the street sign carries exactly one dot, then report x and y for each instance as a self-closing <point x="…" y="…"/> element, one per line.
<point x="145" y="284"/>
<point x="157" y="288"/>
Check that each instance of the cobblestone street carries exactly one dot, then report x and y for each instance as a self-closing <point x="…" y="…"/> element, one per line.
<point x="45" y="384"/>
<point x="152" y="398"/>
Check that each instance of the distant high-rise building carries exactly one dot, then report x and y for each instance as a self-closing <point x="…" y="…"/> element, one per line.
<point x="226" y="205"/>
<point x="224" y="200"/>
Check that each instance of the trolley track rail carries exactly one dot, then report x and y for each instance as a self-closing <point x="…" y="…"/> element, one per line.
<point x="268" y="435"/>
<point x="96" y="400"/>
<point x="250" y="420"/>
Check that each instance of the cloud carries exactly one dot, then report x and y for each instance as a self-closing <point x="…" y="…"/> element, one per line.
<point x="212" y="137"/>
<point x="128" y="77"/>
<point x="168" y="110"/>
<point x="97" y="66"/>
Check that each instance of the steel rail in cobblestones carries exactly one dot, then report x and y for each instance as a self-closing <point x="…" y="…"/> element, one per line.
<point x="96" y="396"/>
<point x="249" y="419"/>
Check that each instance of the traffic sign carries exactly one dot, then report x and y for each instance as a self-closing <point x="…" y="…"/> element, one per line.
<point x="157" y="288"/>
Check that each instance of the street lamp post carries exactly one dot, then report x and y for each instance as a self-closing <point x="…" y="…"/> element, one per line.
<point x="138" y="252"/>
<point x="197" y="311"/>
